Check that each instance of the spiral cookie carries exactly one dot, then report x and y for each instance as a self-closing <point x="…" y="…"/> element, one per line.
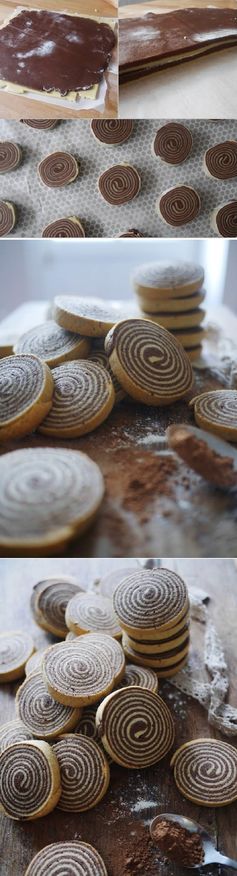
<point x="42" y="124"/>
<point x="76" y="858"/>
<point x="13" y="731"/>
<point x="179" y="206"/>
<point x="58" y="169"/>
<point x="162" y="669"/>
<point x="221" y="160"/>
<point x="150" y="600"/>
<point x="15" y="649"/>
<point x="89" y="612"/>
<point x="163" y="280"/>
<point x="112" y="131"/>
<point x="111" y="648"/>
<point x="30" y="780"/>
<point x="70" y="226"/>
<point x="140" y="676"/>
<point x="100" y="358"/>
<point x="49" y="601"/>
<point x="10" y="156"/>
<point x="205" y="771"/>
<point x="83" y="398"/>
<point x="132" y="232"/>
<point x="86" y="725"/>
<point x="26" y="389"/>
<point x="173" y="143"/>
<point x="47" y="496"/>
<point x="157" y="658"/>
<point x="87" y="316"/>
<point x="224" y="219"/>
<point x="53" y="344"/>
<point x="189" y="337"/>
<point x="7" y="217"/>
<point x="34" y="663"/>
<point x="44" y="717"/>
<point x="181" y="321"/>
<point x="135" y="726"/>
<point x="77" y="674"/>
<point x="216" y="411"/>
<point x="119" y="184"/>
<point x="84" y="772"/>
<point x="148" y="361"/>
<point x="161" y="647"/>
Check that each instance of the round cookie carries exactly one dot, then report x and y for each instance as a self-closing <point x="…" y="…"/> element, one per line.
<point x="108" y="584"/>
<point x="42" y="124"/>
<point x="47" y="497"/>
<point x="190" y="319"/>
<point x="90" y="612"/>
<point x="44" y="717"/>
<point x="224" y="219"/>
<point x="216" y="411"/>
<point x="162" y="280"/>
<point x="112" y="132"/>
<point x="156" y="658"/>
<point x="58" y="169"/>
<point x="89" y="316"/>
<point x="7" y="217"/>
<point x="112" y="649"/>
<point x="173" y="143"/>
<point x="161" y="646"/>
<point x="132" y="232"/>
<point x="83" y="398"/>
<point x="209" y="456"/>
<point x="135" y="726"/>
<point x="148" y="361"/>
<point x="77" y="675"/>
<point x="13" y="731"/>
<point x="86" y="725"/>
<point x="34" y="663"/>
<point x="140" y="676"/>
<point x="189" y="337"/>
<point x="100" y="358"/>
<point x="220" y="161"/>
<point x="173" y="306"/>
<point x="16" y="647"/>
<point x="79" y="858"/>
<point x="84" y="771"/>
<point x="162" y="670"/>
<point x="52" y="344"/>
<point x="119" y="184"/>
<point x="70" y="226"/>
<point x="10" y="156"/>
<point x="49" y="600"/>
<point x="179" y="205"/>
<point x="26" y="390"/>
<point x="30" y="780"/>
<point x="205" y="771"/>
<point x="149" y="601"/>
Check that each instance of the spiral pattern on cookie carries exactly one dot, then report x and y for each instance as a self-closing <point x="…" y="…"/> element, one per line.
<point x="26" y="779"/>
<point x="136" y="727"/>
<point x="205" y="771"/>
<point x="15" y="648"/>
<point x="112" y="649"/>
<point x="51" y="605"/>
<point x="86" y="725"/>
<point x="84" y="772"/>
<point x="112" y="131"/>
<point x="139" y="675"/>
<point x="179" y="205"/>
<point x="152" y="359"/>
<point x="34" y="663"/>
<point x="89" y="612"/>
<point x="119" y="184"/>
<point x="67" y="227"/>
<point x="44" y="717"/>
<point x="76" y="858"/>
<point x="58" y="169"/>
<point x="51" y="343"/>
<point x="44" y="124"/>
<point x="83" y="396"/>
<point x="100" y="358"/>
<point x="21" y="380"/>
<point x="13" y="731"/>
<point x="10" y="156"/>
<point x="221" y="160"/>
<point x="7" y="217"/>
<point x="77" y="672"/>
<point x="150" y="599"/>
<point x="218" y="407"/>
<point x="173" y="143"/>
<point x="226" y="219"/>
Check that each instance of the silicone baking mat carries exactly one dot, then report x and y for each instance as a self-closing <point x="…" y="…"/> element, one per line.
<point x="38" y="205"/>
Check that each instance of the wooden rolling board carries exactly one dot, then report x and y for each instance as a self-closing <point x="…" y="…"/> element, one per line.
<point x="14" y="106"/>
<point x="120" y="823"/>
<point x="200" y="88"/>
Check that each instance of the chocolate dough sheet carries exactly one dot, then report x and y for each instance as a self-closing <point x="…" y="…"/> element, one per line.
<point x="154" y="42"/>
<point x="47" y="51"/>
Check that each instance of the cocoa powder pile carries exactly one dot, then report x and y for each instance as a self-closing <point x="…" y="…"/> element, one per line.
<point x="177" y="843"/>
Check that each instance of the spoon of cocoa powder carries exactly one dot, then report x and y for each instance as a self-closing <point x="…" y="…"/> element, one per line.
<point x="185" y="842"/>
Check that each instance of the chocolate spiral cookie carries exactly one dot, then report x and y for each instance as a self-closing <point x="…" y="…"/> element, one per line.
<point x="90" y="612"/>
<point x="135" y="726"/>
<point x="15" y="649"/>
<point x="83" y="398"/>
<point x="7" y="217"/>
<point x="13" y="731"/>
<point x="34" y="663"/>
<point x="79" y="859"/>
<point x="30" y="780"/>
<point x="53" y="344"/>
<point x="112" y="131"/>
<point x="84" y="772"/>
<point x="42" y="124"/>
<point x="224" y="219"/>
<point x="67" y="227"/>
<point x="44" y="717"/>
<point x="10" y="156"/>
<point x="77" y="674"/>
<point x="58" y="169"/>
<point x="173" y="143"/>
<point x="179" y="206"/>
<point x="216" y="411"/>
<point x="48" y="603"/>
<point x="150" y="600"/>
<point x="26" y="395"/>
<point x="140" y="676"/>
<point x="119" y="184"/>
<point x="112" y="649"/>
<point x="205" y="771"/>
<point x="89" y="316"/>
<point x="221" y="160"/>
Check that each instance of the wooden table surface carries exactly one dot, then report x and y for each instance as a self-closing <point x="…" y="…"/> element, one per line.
<point x="121" y="821"/>
<point x="18" y="106"/>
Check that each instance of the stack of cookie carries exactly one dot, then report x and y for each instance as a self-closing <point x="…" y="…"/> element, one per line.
<point x="171" y="295"/>
<point x="153" y="611"/>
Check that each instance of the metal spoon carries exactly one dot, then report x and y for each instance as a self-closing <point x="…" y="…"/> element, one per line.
<point x="211" y="855"/>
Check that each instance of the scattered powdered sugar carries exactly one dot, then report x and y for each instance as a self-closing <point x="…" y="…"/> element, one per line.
<point x="40" y="51"/>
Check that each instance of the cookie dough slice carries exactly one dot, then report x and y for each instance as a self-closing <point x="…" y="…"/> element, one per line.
<point x="30" y="780"/>
<point x="205" y="772"/>
<point x="7" y="217"/>
<point x="206" y="454"/>
<point x="84" y="771"/>
<point x="87" y="316"/>
<point x="161" y="280"/>
<point x="90" y="612"/>
<point x="26" y="395"/>
<point x="220" y="161"/>
<point x="16" y="647"/>
<point x="79" y="858"/>
<point x="173" y="143"/>
<point x="119" y="184"/>
<point x="58" y="169"/>
<point x="77" y="675"/>
<point x="224" y="219"/>
<point x="10" y="156"/>
<point x="53" y="344"/>
<point x="70" y="226"/>
<point x="41" y="124"/>
<point x="44" y="717"/>
<point x="83" y="398"/>
<point x="135" y="726"/>
<point x="216" y="411"/>
<point x="112" y="132"/>
<point x="179" y="206"/>
<point x="48" y="602"/>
